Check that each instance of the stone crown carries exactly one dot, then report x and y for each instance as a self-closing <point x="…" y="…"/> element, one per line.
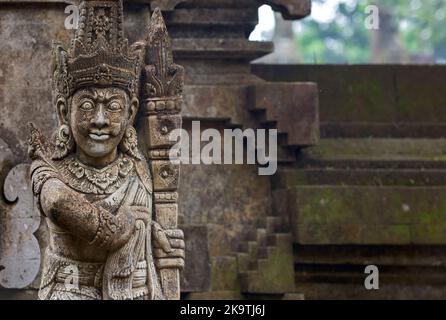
<point x="100" y="54"/>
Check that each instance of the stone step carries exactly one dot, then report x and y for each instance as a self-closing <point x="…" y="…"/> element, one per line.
<point x="389" y="256"/>
<point x="273" y="224"/>
<point x="271" y="240"/>
<point x="243" y="261"/>
<point x="262" y="252"/>
<point x="375" y="153"/>
<point x="372" y="93"/>
<point x="215" y="295"/>
<point x="360" y="215"/>
<point x="355" y="291"/>
<point x="370" y="164"/>
<point x="253" y="265"/>
<point x="373" y="177"/>
<point x="240" y="246"/>
<point x="250" y="234"/>
<point x="355" y="274"/>
<point x="282" y="135"/>
<point x="293" y="107"/>
<point x="261" y="237"/>
<point x="252" y="250"/>
<point x="274" y="274"/>
<point x="382" y="130"/>
<point x="378" y="149"/>
<point x="286" y="152"/>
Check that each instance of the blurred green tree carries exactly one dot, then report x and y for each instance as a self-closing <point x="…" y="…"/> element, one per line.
<point x="410" y="31"/>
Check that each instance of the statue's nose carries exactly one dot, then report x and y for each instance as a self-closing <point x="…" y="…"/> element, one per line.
<point x="100" y="120"/>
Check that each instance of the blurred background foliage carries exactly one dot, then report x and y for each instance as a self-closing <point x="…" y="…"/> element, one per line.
<point x="410" y="31"/>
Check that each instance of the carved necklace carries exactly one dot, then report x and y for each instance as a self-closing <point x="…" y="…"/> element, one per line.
<point x="98" y="181"/>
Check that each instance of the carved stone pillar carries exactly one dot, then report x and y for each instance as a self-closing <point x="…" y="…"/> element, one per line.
<point x="162" y="92"/>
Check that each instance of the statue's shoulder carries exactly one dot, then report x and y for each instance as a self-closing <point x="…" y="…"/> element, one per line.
<point x="143" y="172"/>
<point x="40" y="172"/>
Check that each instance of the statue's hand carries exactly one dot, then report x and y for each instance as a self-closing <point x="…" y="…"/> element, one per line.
<point x="168" y="247"/>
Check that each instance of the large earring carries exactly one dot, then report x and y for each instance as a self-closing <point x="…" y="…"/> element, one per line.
<point x="63" y="142"/>
<point x="129" y="143"/>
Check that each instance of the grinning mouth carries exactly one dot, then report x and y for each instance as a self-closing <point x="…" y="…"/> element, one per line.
<point x="98" y="136"/>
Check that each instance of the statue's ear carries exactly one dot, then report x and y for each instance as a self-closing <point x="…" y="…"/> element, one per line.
<point x="62" y="110"/>
<point x="133" y="109"/>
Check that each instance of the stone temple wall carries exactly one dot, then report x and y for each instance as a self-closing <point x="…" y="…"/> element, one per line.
<point x="372" y="191"/>
<point x="237" y="240"/>
<point x="361" y="176"/>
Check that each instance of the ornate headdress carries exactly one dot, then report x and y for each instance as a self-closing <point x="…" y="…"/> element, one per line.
<point x="100" y="54"/>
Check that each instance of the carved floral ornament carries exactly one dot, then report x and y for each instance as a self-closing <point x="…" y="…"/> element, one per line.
<point x="111" y="203"/>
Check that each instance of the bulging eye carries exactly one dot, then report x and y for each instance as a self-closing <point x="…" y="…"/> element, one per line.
<point x="87" y="105"/>
<point x="114" y="106"/>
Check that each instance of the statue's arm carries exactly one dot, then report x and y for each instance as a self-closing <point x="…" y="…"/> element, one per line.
<point x="72" y="212"/>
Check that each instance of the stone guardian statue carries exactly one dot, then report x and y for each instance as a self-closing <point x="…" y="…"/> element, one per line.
<point x="110" y="202"/>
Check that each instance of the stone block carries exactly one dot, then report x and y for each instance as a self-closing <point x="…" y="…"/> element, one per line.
<point x="159" y="128"/>
<point x="294" y="106"/>
<point x="368" y="215"/>
<point x="224" y="274"/>
<point x="165" y="175"/>
<point x="372" y="93"/>
<point x="196" y="276"/>
<point x="19" y="219"/>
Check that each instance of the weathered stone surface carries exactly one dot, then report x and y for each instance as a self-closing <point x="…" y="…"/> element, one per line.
<point x="376" y="149"/>
<point x="293" y="106"/>
<point x="227" y="202"/>
<point x="229" y="17"/>
<point x="368" y="215"/>
<point x="223" y="102"/>
<point x="366" y="177"/>
<point x="6" y="161"/>
<point x="35" y="29"/>
<point x="402" y="256"/>
<point x="382" y="130"/>
<point x="337" y="272"/>
<point x="225" y="274"/>
<point x="418" y="92"/>
<point x="215" y="52"/>
<point x="291" y="9"/>
<point x="19" y="219"/>
<point x="383" y="166"/>
<point x="196" y="276"/>
<point x="293" y="296"/>
<point x="326" y="290"/>
<point x="215" y="295"/>
<point x="167" y="5"/>
<point x="15" y="294"/>
<point x="378" y="93"/>
<point x="275" y="274"/>
<point x="221" y="48"/>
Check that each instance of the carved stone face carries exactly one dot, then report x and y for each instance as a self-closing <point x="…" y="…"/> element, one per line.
<point x="98" y="119"/>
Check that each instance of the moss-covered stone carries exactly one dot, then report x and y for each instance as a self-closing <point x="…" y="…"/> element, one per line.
<point x="368" y="215"/>
<point x="379" y="149"/>
<point x="224" y="274"/>
<point x="366" y="177"/>
<point x="215" y="295"/>
<point x="275" y="274"/>
<point x="370" y="93"/>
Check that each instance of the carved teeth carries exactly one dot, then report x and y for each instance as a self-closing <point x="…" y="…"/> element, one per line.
<point x="101" y="137"/>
